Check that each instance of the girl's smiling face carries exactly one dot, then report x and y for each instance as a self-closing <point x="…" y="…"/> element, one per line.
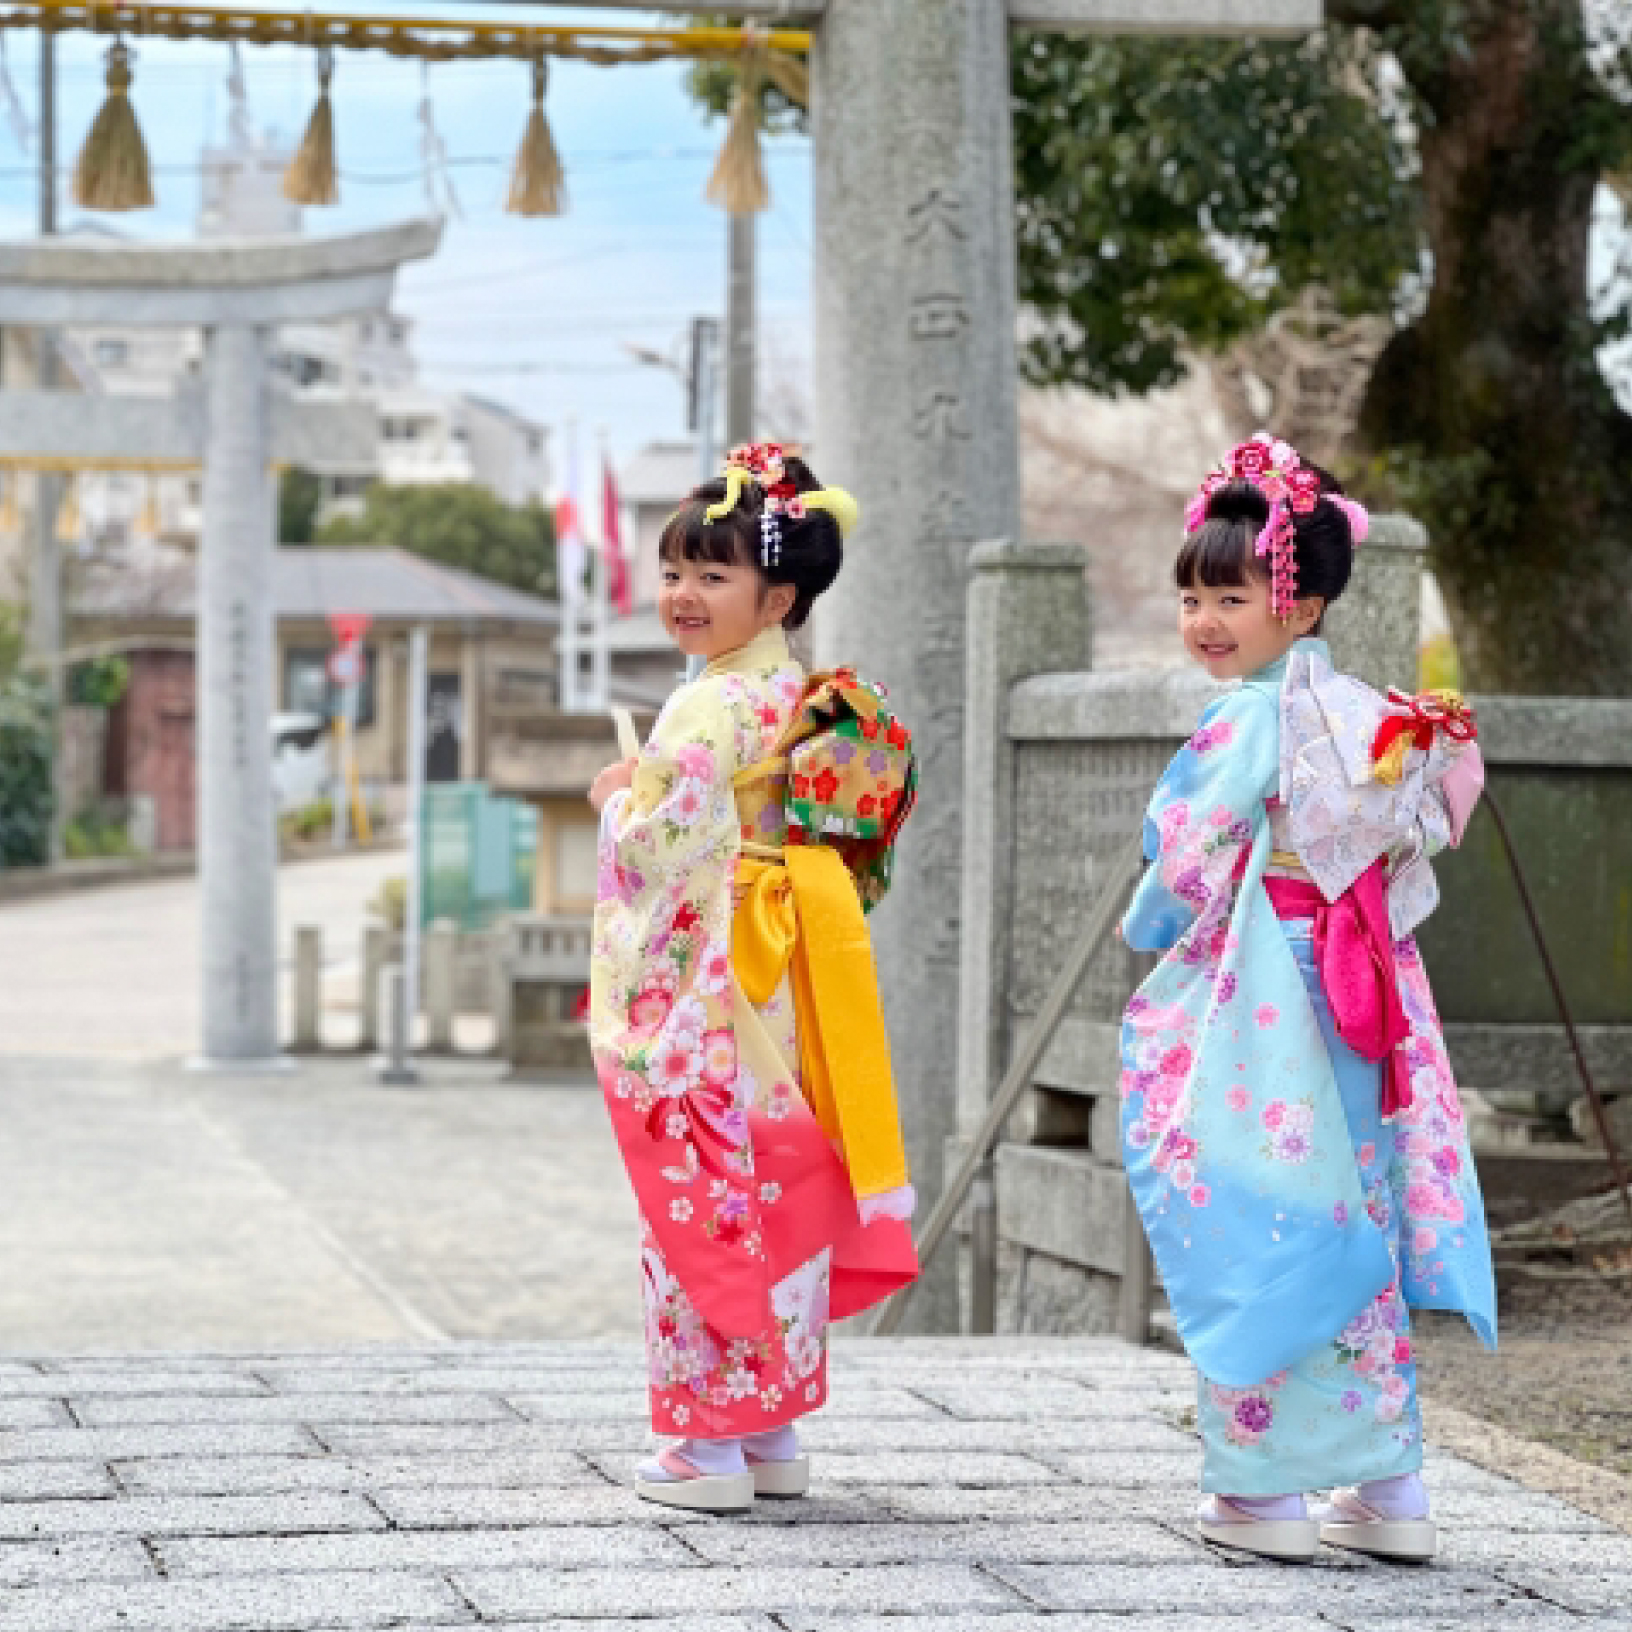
<point x="1231" y="630"/>
<point x="710" y="608"/>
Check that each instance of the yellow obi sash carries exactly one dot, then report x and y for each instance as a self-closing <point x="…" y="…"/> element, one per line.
<point x="797" y="909"/>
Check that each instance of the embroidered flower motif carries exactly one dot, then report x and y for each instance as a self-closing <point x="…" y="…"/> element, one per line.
<point x="680" y="1210"/>
<point x="1266" y="1014"/>
<point x="1238" y="1098"/>
<point x="1352" y="1400"/>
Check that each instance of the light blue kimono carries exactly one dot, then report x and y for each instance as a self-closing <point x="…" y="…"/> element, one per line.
<point x="1291" y="1226"/>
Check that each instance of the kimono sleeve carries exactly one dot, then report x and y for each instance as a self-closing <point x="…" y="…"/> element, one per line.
<point x="679" y="810"/>
<point x="1217" y="780"/>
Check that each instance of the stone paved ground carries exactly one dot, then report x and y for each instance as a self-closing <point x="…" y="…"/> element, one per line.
<point x="1009" y="1485"/>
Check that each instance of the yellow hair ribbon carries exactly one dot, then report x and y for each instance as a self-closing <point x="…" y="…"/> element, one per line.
<point x="736" y="479"/>
<point x="837" y="503"/>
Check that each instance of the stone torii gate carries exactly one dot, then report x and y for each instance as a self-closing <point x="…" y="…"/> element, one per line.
<point x="237" y="292"/>
<point x="916" y="380"/>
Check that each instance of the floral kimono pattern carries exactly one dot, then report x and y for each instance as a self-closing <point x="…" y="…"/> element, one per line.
<point x="1270" y="1229"/>
<point x="751" y="1239"/>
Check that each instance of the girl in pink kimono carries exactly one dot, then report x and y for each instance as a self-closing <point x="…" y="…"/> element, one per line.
<point x="766" y="1156"/>
<point x="1291" y="1129"/>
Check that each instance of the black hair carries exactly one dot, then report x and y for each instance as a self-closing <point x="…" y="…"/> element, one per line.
<point x="1221" y="550"/>
<point x="812" y="547"/>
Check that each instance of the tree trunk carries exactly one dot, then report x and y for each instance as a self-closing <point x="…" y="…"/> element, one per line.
<point x="1490" y="409"/>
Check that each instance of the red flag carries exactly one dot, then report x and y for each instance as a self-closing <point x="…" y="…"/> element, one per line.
<point x="619" y="589"/>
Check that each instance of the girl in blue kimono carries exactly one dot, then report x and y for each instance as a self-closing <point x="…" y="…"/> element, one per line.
<point x="1290" y="1124"/>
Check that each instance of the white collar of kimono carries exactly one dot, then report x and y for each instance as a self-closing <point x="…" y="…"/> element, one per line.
<point x="1274" y="673"/>
<point x="767" y="650"/>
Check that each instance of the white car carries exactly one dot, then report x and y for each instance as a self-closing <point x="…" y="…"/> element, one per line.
<point x="302" y="765"/>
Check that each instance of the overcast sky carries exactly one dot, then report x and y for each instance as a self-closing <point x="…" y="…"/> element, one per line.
<point x="534" y="313"/>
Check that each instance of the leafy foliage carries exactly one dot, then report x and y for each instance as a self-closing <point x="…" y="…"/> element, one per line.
<point x="713" y="83"/>
<point x="299" y="495"/>
<point x="26" y="796"/>
<point x="1171" y="196"/>
<point x="99" y="683"/>
<point x="461" y="526"/>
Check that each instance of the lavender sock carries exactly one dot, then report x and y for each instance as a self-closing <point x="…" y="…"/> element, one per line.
<point x="1403" y="1497"/>
<point x="1269" y="1507"/>
<point x="776" y="1445"/>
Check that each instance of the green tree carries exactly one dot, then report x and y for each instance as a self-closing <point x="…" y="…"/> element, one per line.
<point x="1171" y="196"/>
<point x="299" y="495"/>
<point x="461" y="526"/>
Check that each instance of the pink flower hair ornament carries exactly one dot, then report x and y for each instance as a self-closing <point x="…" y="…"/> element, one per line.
<point x="1292" y="489"/>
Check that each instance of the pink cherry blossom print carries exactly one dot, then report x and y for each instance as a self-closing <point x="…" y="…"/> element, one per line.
<point x="1274" y="1114"/>
<point x="1238" y="1099"/>
<point x="677" y="1064"/>
<point x="1266" y="1014"/>
<point x="688" y="803"/>
<point x="719" y="1064"/>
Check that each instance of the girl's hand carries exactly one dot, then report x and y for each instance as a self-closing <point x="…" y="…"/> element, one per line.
<point x="610" y="781"/>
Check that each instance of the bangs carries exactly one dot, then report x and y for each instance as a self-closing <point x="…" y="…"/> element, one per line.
<point x="690" y="536"/>
<point x="1218" y="554"/>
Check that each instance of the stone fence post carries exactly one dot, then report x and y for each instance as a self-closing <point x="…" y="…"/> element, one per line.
<point x="1029" y="614"/>
<point x="1376" y="628"/>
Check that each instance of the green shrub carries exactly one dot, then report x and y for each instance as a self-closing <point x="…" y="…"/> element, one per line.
<point x="390" y="903"/>
<point x="312" y="821"/>
<point x="26" y="794"/>
<point x="99" y="683"/>
<point x="101" y="829"/>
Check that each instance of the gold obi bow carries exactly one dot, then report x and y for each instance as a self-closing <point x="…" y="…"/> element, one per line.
<point x="798" y="912"/>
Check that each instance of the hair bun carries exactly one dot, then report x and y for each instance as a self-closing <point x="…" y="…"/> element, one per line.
<point x="1239" y="500"/>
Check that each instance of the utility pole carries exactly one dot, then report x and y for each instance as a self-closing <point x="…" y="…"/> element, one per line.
<point x="702" y="394"/>
<point x="741" y="319"/>
<point x="45" y="576"/>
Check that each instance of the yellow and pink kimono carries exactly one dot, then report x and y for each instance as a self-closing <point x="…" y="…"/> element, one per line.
<point x="735" y="1026"/>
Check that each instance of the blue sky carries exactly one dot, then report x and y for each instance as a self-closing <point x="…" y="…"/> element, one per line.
<point x="535" y="313"/>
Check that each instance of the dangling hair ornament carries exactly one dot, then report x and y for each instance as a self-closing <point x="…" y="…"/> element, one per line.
<point x="765" y="463"/>
<point x="1274" y="468"/>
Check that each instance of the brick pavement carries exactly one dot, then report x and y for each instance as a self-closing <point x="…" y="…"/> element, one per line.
<point x="1009" y="1485"/>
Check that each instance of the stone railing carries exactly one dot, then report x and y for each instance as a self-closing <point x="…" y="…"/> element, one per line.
<point x="543" y="970"/>
<point x="1061" y="762"/>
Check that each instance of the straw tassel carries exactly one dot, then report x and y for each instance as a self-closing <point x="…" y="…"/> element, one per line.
<point x="147" y="518"/>
<point x="738" y="183"/>
<point x="537" y="183"/>
<point x="69" y="522"/>
<point x="311" y="177"/>
<point x="790" y="75"/>
<point x="112" y="172"/>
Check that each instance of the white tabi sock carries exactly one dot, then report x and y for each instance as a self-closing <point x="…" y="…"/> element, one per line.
<point x="713" y="1458"/>
<point x="1269" y="1507"/>
<point x="1403" y="1497"/>
<point x="776" y="1445"/>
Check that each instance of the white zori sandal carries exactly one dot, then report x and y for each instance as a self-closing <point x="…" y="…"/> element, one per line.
<point x="1349" y="1521"/>
<point x="1292" y="1540"/>
<point x="674" y="1480"/>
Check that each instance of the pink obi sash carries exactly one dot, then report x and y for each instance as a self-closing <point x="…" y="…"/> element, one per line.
<point x="1354" y="953"/>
